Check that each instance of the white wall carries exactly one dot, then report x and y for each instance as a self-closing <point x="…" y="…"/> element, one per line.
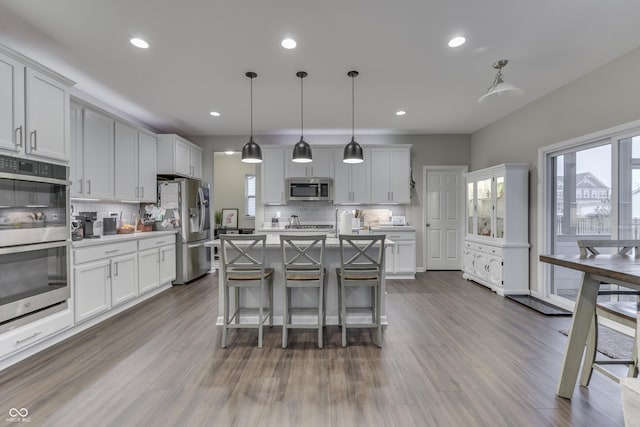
<point x="425" y="150"/>
<point x="229" y="174"/>
<point x="604" y="98"/>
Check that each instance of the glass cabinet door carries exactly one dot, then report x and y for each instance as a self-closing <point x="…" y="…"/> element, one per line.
<point x="485" y="207"/>
<point x="500" y="207"/>
<point x="470" y="208"/>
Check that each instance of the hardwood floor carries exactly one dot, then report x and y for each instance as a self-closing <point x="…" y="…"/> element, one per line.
<point x="454" y="354"/>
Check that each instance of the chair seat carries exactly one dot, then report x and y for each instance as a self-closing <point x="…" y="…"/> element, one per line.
<point x="247" y="277"/>
<point x="354" y="275"/>
<point x="627" y="309"/>
<point x="303" y="277"/>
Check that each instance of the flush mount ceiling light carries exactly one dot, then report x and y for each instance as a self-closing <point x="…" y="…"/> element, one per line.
<point x="353" y="150"/>
<point x="401" y="113"/>
<point x="229" y="152"/>
<point x="215" y="114"/>
<point x="138" y="42"/>
<point x="302" y="150"/>
<point x="288" y="43"/>
<point x="251" y="152"/>
<point x="499" y="87"/>
<point x="457" y="41"/>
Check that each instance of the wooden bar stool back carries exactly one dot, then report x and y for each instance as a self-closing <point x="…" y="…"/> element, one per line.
<point x="623" y="312"/>
<point x="361" y="265"/>
<point x="243" y="267"/>
<point x="303" y="268"/>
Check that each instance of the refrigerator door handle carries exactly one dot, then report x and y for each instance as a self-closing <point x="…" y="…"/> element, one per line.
<point x="195" y="245"/>
<point x="202" y="208"/>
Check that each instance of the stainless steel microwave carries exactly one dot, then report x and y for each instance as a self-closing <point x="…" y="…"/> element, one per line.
<point x="309" y="189"/>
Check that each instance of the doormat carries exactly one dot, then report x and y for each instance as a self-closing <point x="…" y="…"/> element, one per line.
<point x="539" y="305"/>
<point x="611" y="343"/>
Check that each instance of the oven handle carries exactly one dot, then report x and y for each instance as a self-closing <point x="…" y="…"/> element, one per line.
<point x="34" y="247"/>
<point x="34" y="178"/>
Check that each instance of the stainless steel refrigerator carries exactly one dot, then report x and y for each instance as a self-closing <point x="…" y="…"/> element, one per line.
<point x="186" y="204"/>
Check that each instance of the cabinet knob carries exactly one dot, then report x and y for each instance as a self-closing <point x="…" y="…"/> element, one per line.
<point x="428" y="225"/>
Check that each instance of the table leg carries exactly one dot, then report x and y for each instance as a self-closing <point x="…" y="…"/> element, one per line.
<point x="580" y="324"/>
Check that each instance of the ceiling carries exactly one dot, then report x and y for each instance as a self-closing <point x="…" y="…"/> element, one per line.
<point x="201" y="49"/>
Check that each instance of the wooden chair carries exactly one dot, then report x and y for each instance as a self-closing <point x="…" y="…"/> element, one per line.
<point x="303" y="268"/>
<point x="622" y="312"/>
<point x="361" y="265"/>
<point x="243" y="267"/>
<point x="630" y="390"/>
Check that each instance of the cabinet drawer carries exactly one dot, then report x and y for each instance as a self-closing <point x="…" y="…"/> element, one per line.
<point x="156" y="242"/>
<point x="407" y="235"/>
<point x="486" y="249"/>
<point x="95" y="253"/>
<point x="22" y="337"/>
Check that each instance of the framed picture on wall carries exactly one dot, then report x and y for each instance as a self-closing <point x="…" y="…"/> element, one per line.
<point x="230" y="218"/>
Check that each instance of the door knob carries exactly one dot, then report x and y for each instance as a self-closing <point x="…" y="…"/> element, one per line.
<point x="428" y="225"/>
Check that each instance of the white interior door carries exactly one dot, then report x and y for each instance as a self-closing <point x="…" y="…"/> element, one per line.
<point x="444" y="217"/>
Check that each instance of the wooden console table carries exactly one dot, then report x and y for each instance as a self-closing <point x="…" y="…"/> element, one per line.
<point x="622" y="270"/>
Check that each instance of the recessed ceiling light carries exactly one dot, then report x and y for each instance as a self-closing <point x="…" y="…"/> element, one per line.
<point x="288" y="43"/>
<point x="138" y="42"/>
<point x="215" y="114"/>
<point x="401" y="113"/>
<point x="457" y="41"/>
<point x="229" y="152"/>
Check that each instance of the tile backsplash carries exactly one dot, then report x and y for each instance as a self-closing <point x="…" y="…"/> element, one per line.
<point x="104" y="208"/>
<point x="320" y="212"/>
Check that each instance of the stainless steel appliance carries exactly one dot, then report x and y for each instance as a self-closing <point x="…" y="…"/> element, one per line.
<point x="309" y="189"/>
<point x="186" y="202"/>
<point x="34" y="240"/>
<point x="88" y="219"/>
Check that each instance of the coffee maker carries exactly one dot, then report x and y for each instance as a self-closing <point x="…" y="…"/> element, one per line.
<point x="88" y="218"/>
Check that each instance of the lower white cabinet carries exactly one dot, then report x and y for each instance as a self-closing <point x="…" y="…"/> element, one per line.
<point x="124" y="278"/>
<point x="157" y="261"/>
<point x="35" y="332"/>
<point x="92" y="294"/>
<point x="400" y="258"/>
<point x="487" y="264"/>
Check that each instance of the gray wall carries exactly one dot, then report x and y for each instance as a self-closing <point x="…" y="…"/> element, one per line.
<point x="426" y="150"/>
<point x="229" y="172"/>
<point x="604" y="98"/>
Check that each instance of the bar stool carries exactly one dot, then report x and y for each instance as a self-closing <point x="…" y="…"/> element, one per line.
<point x="243" y="267"/>
<point x="361" y="265"/>
<point x="303" y="268"/>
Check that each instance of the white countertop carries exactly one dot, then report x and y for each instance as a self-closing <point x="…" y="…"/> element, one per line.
<point x="274" y="242"/>
<point x="114" y="238"/>
<point x="393" y="228"/>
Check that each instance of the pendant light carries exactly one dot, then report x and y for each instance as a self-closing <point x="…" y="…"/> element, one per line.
<point x="499" y="87"/>
<point x="353" y="150"/>
<point x="251" y="152"/>
<point x="302" y="150"/>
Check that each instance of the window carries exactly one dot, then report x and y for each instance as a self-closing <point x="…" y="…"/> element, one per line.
<point x="594" y="194"/>
<point x="250" y="195"/>
<point x="578" y="194"/>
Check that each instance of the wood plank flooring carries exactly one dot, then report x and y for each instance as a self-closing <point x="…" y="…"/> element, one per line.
<point x="454" y="354"/>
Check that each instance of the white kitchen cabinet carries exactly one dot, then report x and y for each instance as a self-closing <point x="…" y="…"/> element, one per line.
<point x="390" y="179"/>
<point x="92" y="164"/>
<point x="34" y="109"/>
<point x="92" y="293"/>
<point x="320" y="167"/>
<point x="103" y="277"/>
<point x="496" y="247"/>
<point x="22" y="337"/>
<point x="272" y="176"/>
<point x="124" y="278"/>
<point x="177" y="156"/>
<point x="135" y="164"/>
<point x="400" y="259"/>
<point x="157" y="262"/>
<point x="352" y="182"/>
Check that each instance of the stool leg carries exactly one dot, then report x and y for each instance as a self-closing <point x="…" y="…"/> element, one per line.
<point x="378" y="315"/>
<point x="633" y="368"/>
<point x="225" y="314"/>
<point x="271" y="301"/>
<point x="343" y="308"/>
<point x="590" y="353"/>
<point x="261" y="313"/>
<point x="320" y="310"/>
<point x="285" y="317"/>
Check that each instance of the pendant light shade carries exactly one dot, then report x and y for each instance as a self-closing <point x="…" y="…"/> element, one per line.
<point x="251" y="152"/>
<point x="499" y="87"/>
<point x="353" y="150"/>
<point x="302" y="150"/>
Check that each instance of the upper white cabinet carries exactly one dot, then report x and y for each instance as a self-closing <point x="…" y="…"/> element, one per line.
<point x="496" y="247"/>
<point x="135" y="164"/>
<point x="352" y="183"/>
<point x="320" y="167"/>
<point x="390" y="182"/>
<point x="34" y="109"/>
<point x="92" y="162"/>
<point x="177" y="156"/>
<point x="272" y="176"/>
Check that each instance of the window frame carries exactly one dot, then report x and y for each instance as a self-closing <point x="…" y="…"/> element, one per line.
<point x="248" y="197"/>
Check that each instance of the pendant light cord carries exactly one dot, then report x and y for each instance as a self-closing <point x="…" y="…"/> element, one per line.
<point x="301" y="109"/>
<point x="251" y="109"/>
<point x="353" y="108"/>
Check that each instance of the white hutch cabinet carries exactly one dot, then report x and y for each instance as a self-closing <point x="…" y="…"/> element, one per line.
<point x="495" y="251"/>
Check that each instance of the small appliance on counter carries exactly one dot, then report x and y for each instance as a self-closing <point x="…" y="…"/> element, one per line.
<point x="77" y="229"/>
<point x="398" y="220"/>
<point x="109" y="225"/>
<point x="88" y="218"/>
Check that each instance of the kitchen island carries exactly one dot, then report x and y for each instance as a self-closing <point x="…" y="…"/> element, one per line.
<point x="273" y="259"/>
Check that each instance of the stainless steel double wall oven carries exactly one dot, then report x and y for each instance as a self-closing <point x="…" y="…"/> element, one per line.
<point x="34" y="240"/>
